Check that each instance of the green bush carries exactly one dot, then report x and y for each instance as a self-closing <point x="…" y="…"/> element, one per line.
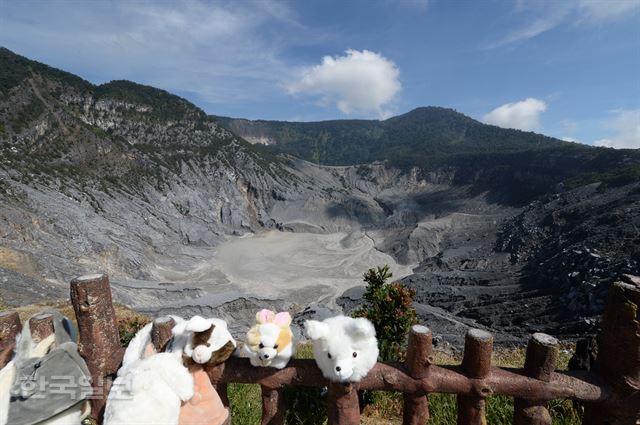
<point x="127" y="329"/>
<point x="390" y="308"/>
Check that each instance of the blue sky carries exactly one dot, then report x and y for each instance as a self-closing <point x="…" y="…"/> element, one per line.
<point x="567" y="68"/>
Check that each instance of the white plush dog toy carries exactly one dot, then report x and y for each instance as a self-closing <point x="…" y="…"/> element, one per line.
<point x="206" y="341"/>
<point x="270" y="341"/>
<point x="344" y="348"/>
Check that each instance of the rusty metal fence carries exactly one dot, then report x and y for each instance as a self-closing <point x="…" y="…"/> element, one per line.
<point x="610" y="393"/>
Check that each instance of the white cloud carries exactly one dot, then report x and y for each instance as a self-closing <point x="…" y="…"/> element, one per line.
<point x="360" y="82"/>
<point x="542" y="16"/>
<point x="626" y="127"/>
<point x="523" y="115"/>
<point x="416" y="4"/>
<point x="598" y="11"/>
<point x="220" y="52"/>
<point x="532" y="29"/>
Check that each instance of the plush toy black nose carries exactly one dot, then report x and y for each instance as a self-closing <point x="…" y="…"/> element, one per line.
<point x="266" y="356"/>
<point x="338" y="368"/>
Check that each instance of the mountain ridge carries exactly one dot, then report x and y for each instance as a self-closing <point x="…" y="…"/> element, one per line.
<point x="142" y="184"/>
<point x="522" y="165"/>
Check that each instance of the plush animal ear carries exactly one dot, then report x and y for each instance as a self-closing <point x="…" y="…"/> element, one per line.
<point x="265" y="316"/>
<point x="179" y="329"/>
<point x="253" y="338"/>
<point x="360" y="328"/>
<point x="198" y="324"/>
<point x="282" y="319"/>
<point x="222" y="354"/>
<point x="316" y="330"/>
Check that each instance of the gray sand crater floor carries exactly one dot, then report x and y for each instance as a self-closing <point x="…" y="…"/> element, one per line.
<point x="297" y="268"/>
<point x="272" y="269"/>
<point x="300" y="267"/>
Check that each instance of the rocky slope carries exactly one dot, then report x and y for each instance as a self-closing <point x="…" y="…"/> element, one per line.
<point x="547" y="268"/>
<point x="131" y="180"/>
<point x="139" y="183"/>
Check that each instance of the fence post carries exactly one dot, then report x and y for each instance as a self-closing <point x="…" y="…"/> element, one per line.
<point x="41" y="326"/>
<point x="540" y="362"/>
<point x="222" y="390"/>
<point x="618" y="360"/>
<point x="273" y="407"/>
<point x="419" y="357"/>
<point x="10" y="327"/>
<point x="99" y="342"/>
<point x="161" y="333"/>
<point x="476" y="364"/>
<point x="343" y="407"/>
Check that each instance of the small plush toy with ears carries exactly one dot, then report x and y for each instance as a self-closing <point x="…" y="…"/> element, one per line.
<point x="270" y="341"/>
<point x="345" y="349"/>
<point x="204" y="341"/>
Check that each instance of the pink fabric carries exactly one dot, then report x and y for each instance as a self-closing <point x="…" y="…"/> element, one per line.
<point x="282" y="319"/>
<point x="149" y="350"/>
<point x="265" y="316"/>
<point x="205" y="408"/>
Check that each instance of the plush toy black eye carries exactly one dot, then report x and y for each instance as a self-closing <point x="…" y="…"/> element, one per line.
<point x="355" y="354"/>
<point x="261" y="345"/>
<point x="329" y="355"/>
<point x="275" y="347"/>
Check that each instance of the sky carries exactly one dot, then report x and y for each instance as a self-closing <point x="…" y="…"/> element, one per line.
<point x="566" y="68"/>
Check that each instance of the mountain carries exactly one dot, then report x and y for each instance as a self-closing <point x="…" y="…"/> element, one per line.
<point x="179" y="208"/>
<point x="142" y="184"/>
<point x="430" y="132"/>
<point x="513" y="165"/>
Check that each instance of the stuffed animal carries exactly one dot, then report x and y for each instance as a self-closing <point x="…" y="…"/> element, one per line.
<point x="149" y="391"/>
<point x="344" y="348"/>
<point x="141" y="347"/>
<point x="27" y="392"/>
<point x="203" y="341"/>
<point x="270" y="341"/>
<point x="171" y="388"/>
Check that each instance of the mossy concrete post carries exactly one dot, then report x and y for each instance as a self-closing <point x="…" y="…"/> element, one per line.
<point x="343" y="407"/>
<point x="618" y="359"/>
<point x="540" y="363"/>
<point x="10" y="328"/>
<point x="476" y="365"/>
<point x="99" y="342"/>
<point x="419" y="358"/>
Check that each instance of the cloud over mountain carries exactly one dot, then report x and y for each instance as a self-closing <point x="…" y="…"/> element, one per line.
<point x="523" y="115"/>
<point x="359" y="82"/>
<point x="626" y="127"/>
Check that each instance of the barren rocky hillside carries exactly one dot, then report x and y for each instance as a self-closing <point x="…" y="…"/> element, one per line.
<point x="142" y="184"/>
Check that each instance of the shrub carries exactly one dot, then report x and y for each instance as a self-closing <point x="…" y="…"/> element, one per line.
<point x="390" y="308"/>
<point x="127" y="328"/>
